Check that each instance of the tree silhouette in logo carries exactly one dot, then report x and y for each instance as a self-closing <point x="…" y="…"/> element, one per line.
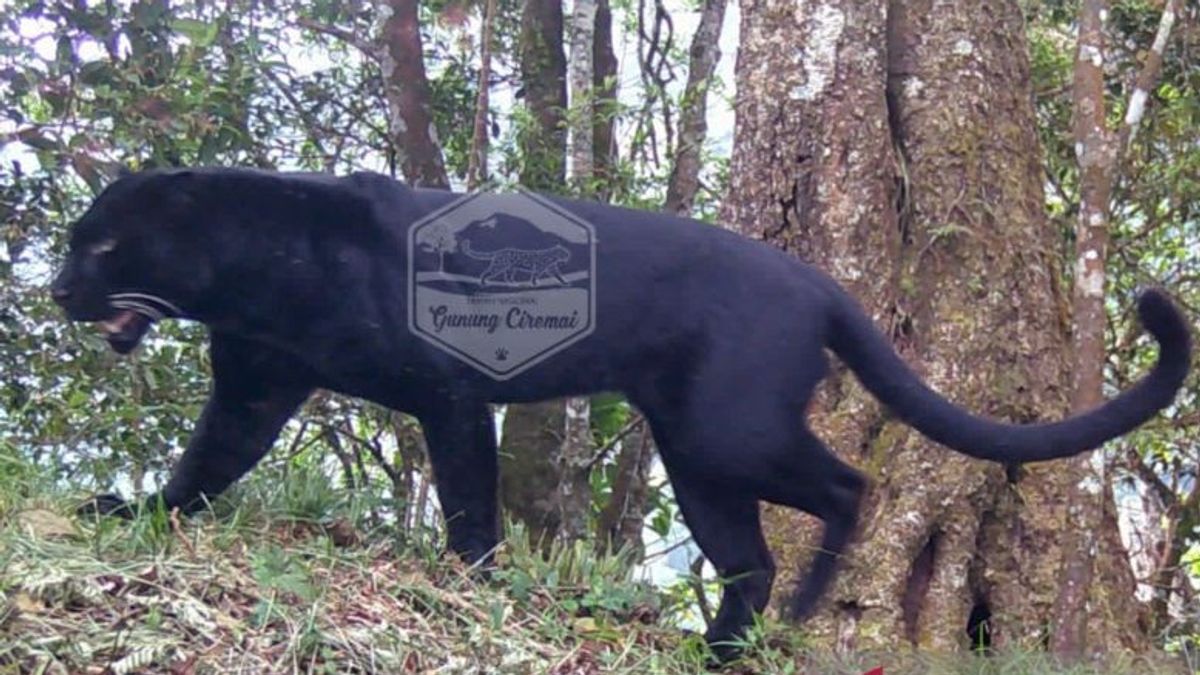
<point x="440" y="240"/>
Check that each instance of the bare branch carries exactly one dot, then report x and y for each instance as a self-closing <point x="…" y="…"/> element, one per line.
<point x="373" y="449"/>
<point x="1148" y="76"/>
<point x="342" y="34"/>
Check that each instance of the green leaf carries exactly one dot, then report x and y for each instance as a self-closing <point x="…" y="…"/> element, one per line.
<point x="93" y="73"/>
<point x="200" y="33"/>
<point x="77" y="399"/>
<point x="65" y="53"/>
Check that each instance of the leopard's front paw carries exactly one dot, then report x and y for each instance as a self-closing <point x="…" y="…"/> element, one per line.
<point x="107" y="504"/>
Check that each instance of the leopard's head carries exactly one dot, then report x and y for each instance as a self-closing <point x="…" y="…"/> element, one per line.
<point x="138" y="255"/>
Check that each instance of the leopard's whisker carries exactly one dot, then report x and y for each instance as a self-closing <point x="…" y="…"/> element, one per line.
<point x="141" y="308"/>
<point x="146" y="312"/>
<point x="130" y="295"/>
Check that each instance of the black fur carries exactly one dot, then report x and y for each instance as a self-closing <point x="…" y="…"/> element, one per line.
<point x="719" y="341"/>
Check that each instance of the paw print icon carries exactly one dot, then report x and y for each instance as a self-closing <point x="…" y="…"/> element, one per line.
<point x="501" y="354"/>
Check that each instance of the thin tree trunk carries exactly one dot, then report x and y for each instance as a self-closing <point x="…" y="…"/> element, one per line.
<point x="582" y="78"/>
<point x="604" y="64"/>
<point x="621" y="521"/>
<point x="624" y="517"/>
<point x="534" y="433"/>
<point x="574" y="459"/>
<point x="1147" y="78"/>
<point x="704" y="54"/>
<point x="574" y="492"/>
<point x="1096" y="154"/>
<point x="543" y="78"/>
<point x="1168" y="577"/>
<point x="528" y="475"/>
<point x="477" y="165"/>
<point x="410" y="119"/>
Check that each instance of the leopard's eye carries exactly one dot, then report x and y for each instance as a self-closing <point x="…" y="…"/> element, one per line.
<point x="103" y="246"/>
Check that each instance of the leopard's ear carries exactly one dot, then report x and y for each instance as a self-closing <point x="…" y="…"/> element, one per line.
<point x="181" y="188"/>
<point x="172" y="191"/>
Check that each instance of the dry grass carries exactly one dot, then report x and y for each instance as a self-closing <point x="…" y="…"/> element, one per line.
<point x="254" y="593"/>
<point x="281" y="598"/>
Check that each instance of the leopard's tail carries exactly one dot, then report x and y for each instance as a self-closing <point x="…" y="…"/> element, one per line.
<point x="870" y="355"/>
<point x="465" y="247"/>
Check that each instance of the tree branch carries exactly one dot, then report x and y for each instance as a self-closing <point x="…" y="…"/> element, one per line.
<point x="1147" y="77"/>
<point x="309" y="121"/>
<point x="612" y="442"/>
<point x="342" y="34"/>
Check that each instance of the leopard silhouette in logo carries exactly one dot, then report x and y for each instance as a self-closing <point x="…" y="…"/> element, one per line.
<point x="508" y="262"/>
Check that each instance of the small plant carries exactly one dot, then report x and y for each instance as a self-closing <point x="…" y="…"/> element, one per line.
<point x="308" y="495"/>
<point x="580" y="580"/>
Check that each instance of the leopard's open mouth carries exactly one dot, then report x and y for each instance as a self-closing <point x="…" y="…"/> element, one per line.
<point x="135" y="313"/>
<point x="125" y="330"/>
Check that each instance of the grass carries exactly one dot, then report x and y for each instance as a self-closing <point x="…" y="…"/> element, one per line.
<point x="269" y="588"/>
<point x="291" y="581"/>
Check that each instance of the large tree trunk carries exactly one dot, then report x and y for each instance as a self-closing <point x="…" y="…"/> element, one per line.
<point x="410" y="119"/>
<point x="897" y="149"/>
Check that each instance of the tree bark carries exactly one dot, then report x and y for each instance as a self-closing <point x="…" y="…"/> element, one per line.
<point x="574" y="491"/>
<point x="410" y="119"/>
<point x="574" y="459"/>
<point x="543" y="78"/>
<point x="604" y="64"/>
<point x="897" y="149"/>
<point x="1095" y="151"/>
<point x="533" y="433"/>
<point x="582" y="77"/>
<point x="621" y="521"/>
<point x="1098" y="153"/>
<point x="528" y="476"/>
<point x="704" y="54"/>
<point x="477" y="165"/>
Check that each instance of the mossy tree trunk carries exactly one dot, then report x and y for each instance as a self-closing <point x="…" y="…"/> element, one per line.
<point x="895" y="146"/>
